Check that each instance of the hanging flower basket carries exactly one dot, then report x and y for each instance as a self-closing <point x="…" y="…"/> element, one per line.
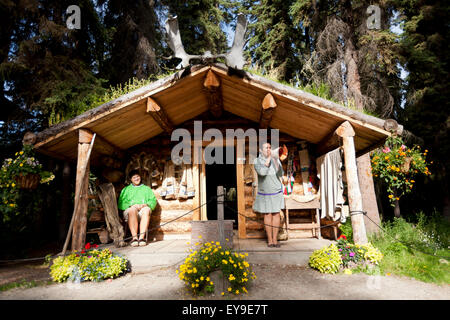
<point x="28" y="181"/>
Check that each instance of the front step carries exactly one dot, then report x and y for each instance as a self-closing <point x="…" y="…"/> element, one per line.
<point x="173" y="252"/>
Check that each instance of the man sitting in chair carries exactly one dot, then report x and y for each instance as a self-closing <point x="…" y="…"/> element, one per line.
<point x="138" y="201"/>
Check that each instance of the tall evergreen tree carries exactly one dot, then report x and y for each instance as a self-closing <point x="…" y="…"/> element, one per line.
<point x="134" y="39"/>
<point x="359" y="65"/>
<point x="47" y="64"/>
<point x="426" y="53"/>
<point x="275" y="44"/>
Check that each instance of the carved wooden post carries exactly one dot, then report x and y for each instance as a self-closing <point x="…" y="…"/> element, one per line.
<point x="346" y="132"/>
<point x="159" y="115"/>
<point x="268" y="106"/>
<point x="214" y="94"/>
<point x="240" y="163"/>
<point x="81" y="190"/>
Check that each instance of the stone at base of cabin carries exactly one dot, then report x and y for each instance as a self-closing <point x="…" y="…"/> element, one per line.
<point x="221" y="283"/>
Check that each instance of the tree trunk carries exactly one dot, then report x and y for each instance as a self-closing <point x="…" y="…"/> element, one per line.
<point x="368" y="194"/>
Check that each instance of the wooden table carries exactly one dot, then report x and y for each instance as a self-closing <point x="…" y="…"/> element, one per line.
<point x="291" y="204"/>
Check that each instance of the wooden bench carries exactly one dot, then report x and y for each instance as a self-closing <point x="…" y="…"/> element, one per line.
<point x="314" y="225"/>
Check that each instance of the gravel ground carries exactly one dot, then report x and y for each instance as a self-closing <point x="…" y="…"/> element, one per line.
<point x="273" y="283"/>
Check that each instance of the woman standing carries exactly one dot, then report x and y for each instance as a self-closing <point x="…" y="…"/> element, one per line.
<point x="269" y="199"/>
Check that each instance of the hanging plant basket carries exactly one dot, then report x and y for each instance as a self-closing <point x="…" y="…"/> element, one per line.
<point x="28" y="181"/>
<point x="405" y="166"/>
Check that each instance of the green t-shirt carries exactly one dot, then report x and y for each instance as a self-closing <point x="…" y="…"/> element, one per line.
<point x="132" y="195"/>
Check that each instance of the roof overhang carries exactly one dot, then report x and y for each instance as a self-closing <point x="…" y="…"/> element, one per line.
<point x="124" y="122"/>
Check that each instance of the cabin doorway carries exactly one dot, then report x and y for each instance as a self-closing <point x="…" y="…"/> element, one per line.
<point x="224" y="175"/>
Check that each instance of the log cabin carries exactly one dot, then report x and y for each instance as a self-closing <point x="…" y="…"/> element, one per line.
<point x="134" y="131"/>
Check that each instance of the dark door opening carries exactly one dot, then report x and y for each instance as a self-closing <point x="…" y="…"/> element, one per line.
<point x="224" y="175"/>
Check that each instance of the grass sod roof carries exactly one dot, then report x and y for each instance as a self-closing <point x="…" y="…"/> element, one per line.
<point x="124" y="122"/>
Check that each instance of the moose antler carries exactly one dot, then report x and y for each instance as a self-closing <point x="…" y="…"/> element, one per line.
<point x="234" y="58"/>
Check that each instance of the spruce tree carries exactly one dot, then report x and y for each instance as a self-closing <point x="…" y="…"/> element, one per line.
<point x="274" y="45"/>
<point x="426" y="54"/>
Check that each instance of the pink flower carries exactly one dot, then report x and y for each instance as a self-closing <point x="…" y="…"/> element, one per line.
<point x="403" y="147"/>
<point x="386" y="149"/>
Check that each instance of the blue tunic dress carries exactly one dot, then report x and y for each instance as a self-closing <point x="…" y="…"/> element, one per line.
<point x="269" y="198"/>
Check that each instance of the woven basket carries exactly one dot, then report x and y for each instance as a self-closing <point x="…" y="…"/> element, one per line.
<point x="28" y="181"/>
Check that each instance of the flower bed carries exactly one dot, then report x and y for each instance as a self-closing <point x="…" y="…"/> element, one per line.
<point x="209" y="257"/>
<point x="90" y="264"/>
<point x="344" y="256"/>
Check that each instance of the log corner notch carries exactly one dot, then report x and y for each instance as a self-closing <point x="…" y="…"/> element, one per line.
<point x="158" y="114"/>
<point x="268" y="107"/>
<point x="346" y="132"/>
<point x="213" y="91"/>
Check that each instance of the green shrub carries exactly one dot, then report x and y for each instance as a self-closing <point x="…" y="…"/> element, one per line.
<point x="88" y="265"/>
<point x="326" y="260"/>
<point x="415" y="249"/>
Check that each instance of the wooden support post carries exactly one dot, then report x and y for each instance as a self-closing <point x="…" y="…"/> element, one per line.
<point x="214" y="94"/>
<point x="346" y="132"/>
<point x="203" y="198"/>
<point x="196" y="201"/>
<point x="242" y="228"/>
<point x="268" y="107"/>
<point x="159" y="115"/>
<point x="220" y="213"/>
<point x="79" y="222"/>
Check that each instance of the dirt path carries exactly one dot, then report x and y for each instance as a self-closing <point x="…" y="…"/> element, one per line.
<point x="273" y="282"/>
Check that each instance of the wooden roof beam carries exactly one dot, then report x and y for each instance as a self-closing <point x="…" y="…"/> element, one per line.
<point x="268" y="107"/>
<point x="101" y="146"/>
<point x="330" y="142"/>
<point x="213" y="90"/>
<point x="159" y="115"/>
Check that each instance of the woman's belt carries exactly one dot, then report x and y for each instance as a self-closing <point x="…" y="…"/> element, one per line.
<point x="270" y="194"/>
